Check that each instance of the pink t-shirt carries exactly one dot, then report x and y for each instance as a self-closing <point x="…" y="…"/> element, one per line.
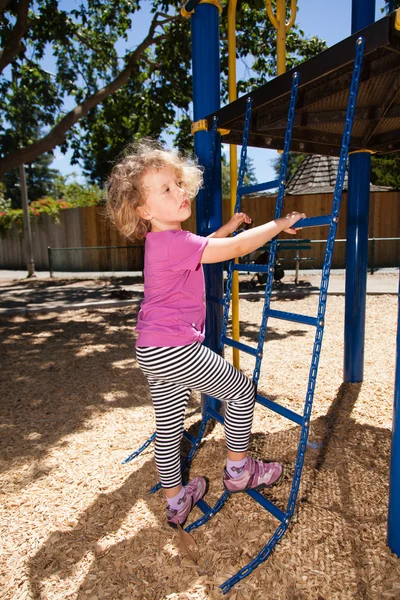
<point x="174" y="308"/>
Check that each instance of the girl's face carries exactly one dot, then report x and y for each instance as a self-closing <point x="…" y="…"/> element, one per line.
<point x="167" y="203"/>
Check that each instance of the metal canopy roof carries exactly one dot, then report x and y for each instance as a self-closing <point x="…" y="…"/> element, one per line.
<point x="321" y="105"/>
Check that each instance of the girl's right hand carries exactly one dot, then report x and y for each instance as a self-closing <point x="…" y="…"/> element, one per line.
<point x="290" y="220"/>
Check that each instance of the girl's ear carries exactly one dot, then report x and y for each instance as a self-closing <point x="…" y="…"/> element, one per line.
<point x="143" y="212"/>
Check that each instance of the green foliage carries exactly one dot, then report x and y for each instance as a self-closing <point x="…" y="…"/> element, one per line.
<point x="77" y="194"/>
<point x="249" y="177"/>
<point x="89" y="41"/>
<point x="385" y="170"/>
<point x="5" y="203"/>
<point x="68" y="195"/>
<point x="256" y="46"/>
<point x="396" y="4"/>
<point x="39" y="180"/>
<point x="294" y="163"/>
<point x="48" y="206"/>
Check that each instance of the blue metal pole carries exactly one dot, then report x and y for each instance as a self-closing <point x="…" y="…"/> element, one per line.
<point x="394" y="490"/>
<point x="206" y="99"/>
<point x="356" y="265"/>
<point x="363" y="14"/>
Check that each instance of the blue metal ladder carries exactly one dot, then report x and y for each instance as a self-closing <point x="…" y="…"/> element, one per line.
<point x="303" y="420"/>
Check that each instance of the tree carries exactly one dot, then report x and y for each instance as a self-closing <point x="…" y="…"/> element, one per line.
<point x="88" y="68"/>
<point x="249" y="176"/>
<point x="39" y="179"/>
<point x="77" y="194"/>
<point x="294" y="162"/>
<point x="393" y="4"/>
<point x="159" y="91"/>
<point x="118" y="95"/>
<point x="385" y="170"/>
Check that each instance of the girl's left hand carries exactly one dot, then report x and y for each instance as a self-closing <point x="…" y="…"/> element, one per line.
<point x="236" y="221"/>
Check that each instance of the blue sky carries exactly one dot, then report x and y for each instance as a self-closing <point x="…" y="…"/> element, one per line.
<point x="330" y="21"/>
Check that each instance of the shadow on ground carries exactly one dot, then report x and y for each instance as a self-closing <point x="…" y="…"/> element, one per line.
<point x="60" y="369"/>
<point x="21" y="293"/>
<point x="336" y="477"/>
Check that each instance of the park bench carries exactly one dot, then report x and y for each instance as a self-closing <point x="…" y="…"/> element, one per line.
<point x="294" y="246"/>
<point x="283" y="246"/>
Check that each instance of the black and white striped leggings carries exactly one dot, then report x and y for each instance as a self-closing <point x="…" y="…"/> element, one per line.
<point x="172" y="372"/>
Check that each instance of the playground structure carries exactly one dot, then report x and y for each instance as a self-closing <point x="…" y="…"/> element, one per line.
<point x="77" y="523"/>
<point x="321" y="83"/>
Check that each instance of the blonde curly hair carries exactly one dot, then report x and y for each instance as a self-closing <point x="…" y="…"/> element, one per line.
<point x="124" y="188"/>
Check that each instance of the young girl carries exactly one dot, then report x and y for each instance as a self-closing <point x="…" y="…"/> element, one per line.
<point x="149" y="195"/>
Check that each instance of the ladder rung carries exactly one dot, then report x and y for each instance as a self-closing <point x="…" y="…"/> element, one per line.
<point x="215" y="415"/>
<point x="265" y="503"/>
<point x="203" y="506"/>
<point x="274" y="510"/>
<point x="239" y="346"/>
<point x="296" y="318"/>
<point x="251" y="268"/>
<point x="281" y="410"/>
<point x="259" y="187"/>
<point x="314" y="221"/>
<point x="189" y="437"/>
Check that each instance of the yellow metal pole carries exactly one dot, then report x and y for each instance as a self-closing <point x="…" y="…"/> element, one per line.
<point x="233" y="168"/>
<point x="281" y="36"/>
<point x="279" y="23"/>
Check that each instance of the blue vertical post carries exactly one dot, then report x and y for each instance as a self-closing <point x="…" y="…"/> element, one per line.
<point x="356" y="265"/>
<point x="394" y="490"/>
<point x="206" y="99"/>
<point x="363" y="14"/>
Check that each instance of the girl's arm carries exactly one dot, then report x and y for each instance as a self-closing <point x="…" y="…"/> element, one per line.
<point x="219" y="250"/>
<point x="230" y="226"/>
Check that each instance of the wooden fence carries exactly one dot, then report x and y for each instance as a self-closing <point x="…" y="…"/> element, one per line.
<point x="88" y="227"/>
<point x="384" y="221"/>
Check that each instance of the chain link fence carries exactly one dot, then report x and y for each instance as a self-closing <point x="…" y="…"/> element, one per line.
<point x="382" y="253"/>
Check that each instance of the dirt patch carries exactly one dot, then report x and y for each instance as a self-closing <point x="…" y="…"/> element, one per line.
<point x="78" y="524"/>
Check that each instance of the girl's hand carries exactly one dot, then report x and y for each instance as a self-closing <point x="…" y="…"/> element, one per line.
<point x="236" y="221"/>
<point x="231" y="225"/>
<point x="290" y="220"/>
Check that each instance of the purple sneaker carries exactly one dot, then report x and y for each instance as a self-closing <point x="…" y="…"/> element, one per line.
<point x="194" y="491"/>
<point x="256" y="474"/>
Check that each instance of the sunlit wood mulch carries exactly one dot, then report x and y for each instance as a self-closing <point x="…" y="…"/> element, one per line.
<point x="77" y="524"/>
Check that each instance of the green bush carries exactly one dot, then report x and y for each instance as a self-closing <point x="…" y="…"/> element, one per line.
<point x="71" y="195"/>
<point x="48" y="206"/>
<point x="78" y="194"/>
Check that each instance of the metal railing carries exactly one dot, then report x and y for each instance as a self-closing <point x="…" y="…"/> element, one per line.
<point x="382" y="253"/>
<point x="96" y="258"/>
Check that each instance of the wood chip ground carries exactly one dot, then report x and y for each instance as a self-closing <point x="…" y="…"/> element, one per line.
<point x="77" y="524"/>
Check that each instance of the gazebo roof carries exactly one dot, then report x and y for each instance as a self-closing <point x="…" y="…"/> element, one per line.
<point x="317" y="175"/>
